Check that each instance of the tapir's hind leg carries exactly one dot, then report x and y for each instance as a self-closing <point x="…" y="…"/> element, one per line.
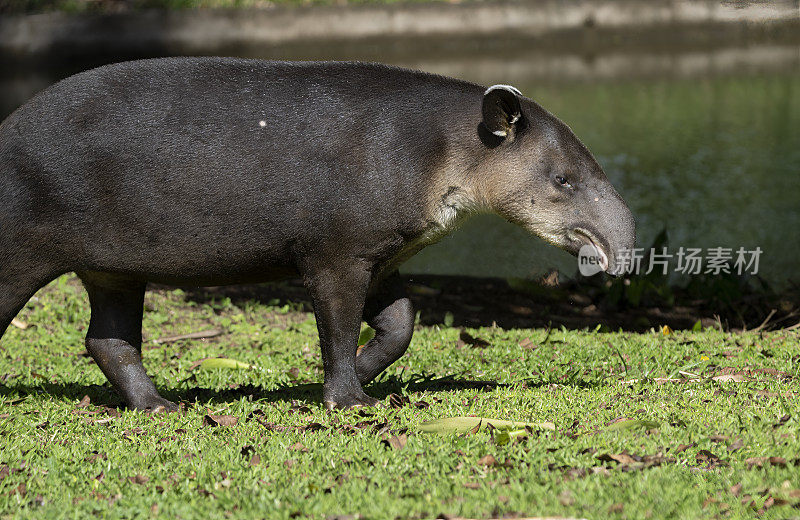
<point x="16" y="288"/>
<point x="114" y="339"/>
<point x="391" y="314"/>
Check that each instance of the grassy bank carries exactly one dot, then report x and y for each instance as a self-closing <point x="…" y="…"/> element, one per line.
<point x="676" y="425"/>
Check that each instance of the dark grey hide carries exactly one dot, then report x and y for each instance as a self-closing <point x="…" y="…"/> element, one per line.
<point x="214" y="171"/>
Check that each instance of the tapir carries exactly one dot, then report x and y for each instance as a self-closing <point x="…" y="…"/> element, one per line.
<point x="218" y="171"/>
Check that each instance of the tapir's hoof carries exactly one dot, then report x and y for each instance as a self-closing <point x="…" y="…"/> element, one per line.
<point x="154" y="404"/>
<point x="348" y="402"/>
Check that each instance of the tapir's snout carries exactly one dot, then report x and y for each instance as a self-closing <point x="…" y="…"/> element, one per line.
<point x="610" y="229"/>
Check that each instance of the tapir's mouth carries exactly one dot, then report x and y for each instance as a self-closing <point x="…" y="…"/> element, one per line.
<point x="587" y="237"/>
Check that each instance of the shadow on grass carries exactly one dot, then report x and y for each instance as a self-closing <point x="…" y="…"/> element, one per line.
<point x="104" y="395"/>
<point x="633" y="304"/>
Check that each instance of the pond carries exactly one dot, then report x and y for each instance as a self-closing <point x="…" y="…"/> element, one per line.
<point x="703" y="144"/>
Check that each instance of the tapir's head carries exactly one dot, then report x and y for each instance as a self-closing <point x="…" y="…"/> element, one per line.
<point x="539" y="175"/>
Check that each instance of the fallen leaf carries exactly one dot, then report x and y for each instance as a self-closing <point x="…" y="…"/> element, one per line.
<point x="778" y="461"/>
<point x="397" y="401"/>
<point x="139" y="479"/>
<point x="465" y="424"/>
<point x="397" y="442"/>
<point x="298" y="446"/>
<point x="84" y="402"/>
<point x="255" y="460"/>
<point x="487" y="460"/>
<point x="684" y="447"/>
<point x="755" y="461"/>
<point x="19" y="324"/>
<point x="212" y="363"/>
<point x="312" y="427"/>
<point x="735" y="489"/>
<point x="731" y="378"/>
<point x="293" y="373"/>
<point x="622" y="458"/>
<point x="220" y="420"/>
<point x="20" y="490"/>
<point x="472" y="485"/>
<point x="708" y="458"/>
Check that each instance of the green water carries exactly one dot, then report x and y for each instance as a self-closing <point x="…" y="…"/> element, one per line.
<point x="714" y="161"/>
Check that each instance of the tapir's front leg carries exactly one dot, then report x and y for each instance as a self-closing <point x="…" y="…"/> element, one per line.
<point x="391" y="314"/>
<point x="338" y="295"/>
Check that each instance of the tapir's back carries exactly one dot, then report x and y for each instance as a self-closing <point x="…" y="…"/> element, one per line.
<point x="219" y="161"/>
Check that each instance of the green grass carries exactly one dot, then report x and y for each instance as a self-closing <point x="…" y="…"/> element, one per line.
<point x="61" y="460"/>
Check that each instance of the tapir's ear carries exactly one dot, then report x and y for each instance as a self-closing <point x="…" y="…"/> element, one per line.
<point x="501" y="110"/>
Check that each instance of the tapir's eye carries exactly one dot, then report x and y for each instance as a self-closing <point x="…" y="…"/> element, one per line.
<point x="560" y="179"/>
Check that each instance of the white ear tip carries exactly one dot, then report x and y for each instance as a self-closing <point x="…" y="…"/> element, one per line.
<point x="511" y="89"/>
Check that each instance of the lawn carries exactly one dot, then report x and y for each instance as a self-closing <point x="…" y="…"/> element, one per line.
<point x="657" y="424"/>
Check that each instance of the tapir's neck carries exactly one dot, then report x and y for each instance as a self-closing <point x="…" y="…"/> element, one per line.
<point x="459" y="187"/>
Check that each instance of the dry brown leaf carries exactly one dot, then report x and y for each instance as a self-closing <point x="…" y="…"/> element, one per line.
<point x="778" y="461"/>
<point x="708" y="458"/>
<point x="139" y="479"/>
<point x="397" y="401"/>
<point x="220" y="420"/>
<point x="731" y="378"/>
<point x="84" y="402"/>
<point x="622" y="458"/>
<point x="397" y="442"/>
<point x="487" y="460"/>
<point x="755" y="461"/>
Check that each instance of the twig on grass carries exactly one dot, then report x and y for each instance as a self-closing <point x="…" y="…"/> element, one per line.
<point x="192" y="335"/>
